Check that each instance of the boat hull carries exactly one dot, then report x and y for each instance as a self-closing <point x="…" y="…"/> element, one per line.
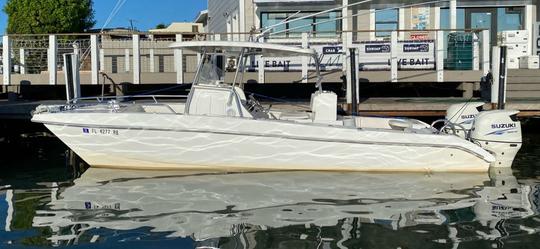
<point x="251" y="145"/>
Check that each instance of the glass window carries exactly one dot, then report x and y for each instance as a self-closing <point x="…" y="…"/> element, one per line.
<point x="386" y="20"/>
<point x="445" y="18"/>
<point x="327" y="25"/>
<point x="509" y="19"/>
<point x="296" y="28"/>
<point x="324" y="25"/>
<point x="269" y="19"/>
<point x="445" y="24"/>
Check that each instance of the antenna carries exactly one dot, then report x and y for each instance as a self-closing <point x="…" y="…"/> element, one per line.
<point x="131" y="24"/>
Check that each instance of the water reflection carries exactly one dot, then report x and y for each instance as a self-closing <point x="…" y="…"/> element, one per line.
<point x="279" y="209"/>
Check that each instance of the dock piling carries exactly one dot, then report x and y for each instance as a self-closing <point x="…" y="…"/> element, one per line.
<point x="52" y="60"/>
<point x="394" y="57"/>
<point x="136" y="59"/>
<point x="501" y="99"/>
<point x="95" y="59"/>
<point x="354" y="105"/>
<point x="6" y="60"/>
<point x="179" y="62"/>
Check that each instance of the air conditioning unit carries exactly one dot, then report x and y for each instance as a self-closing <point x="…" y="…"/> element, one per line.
<point x="513" y="37"/>
<point x="529" y="62"/>
<point x="512" y="63"/>
<point x="517" y="50"/>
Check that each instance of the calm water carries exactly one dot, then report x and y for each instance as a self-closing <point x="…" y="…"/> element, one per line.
<point x="49" y="199"/>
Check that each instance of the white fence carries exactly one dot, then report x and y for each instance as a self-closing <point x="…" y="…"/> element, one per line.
<point x="138" y="58"/>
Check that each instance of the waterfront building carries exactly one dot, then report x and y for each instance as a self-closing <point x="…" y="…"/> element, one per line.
<point x="424" y="48"/>
<point x="239" y="16"/>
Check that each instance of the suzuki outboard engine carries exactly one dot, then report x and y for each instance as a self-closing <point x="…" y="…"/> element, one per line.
<point x="461" y="118"/>
<point x="498" y="132"/>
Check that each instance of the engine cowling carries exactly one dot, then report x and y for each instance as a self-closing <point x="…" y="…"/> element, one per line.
<point x="498" y="132"/>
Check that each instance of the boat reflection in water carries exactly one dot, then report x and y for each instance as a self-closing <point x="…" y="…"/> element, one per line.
<point x="343" y="210"/>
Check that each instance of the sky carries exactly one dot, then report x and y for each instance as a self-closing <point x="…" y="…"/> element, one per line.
<point x="146" y="14"/>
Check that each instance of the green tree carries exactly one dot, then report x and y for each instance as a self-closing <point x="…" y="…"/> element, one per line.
<point x="49" y="16"/>
<point x="161" y="26"/>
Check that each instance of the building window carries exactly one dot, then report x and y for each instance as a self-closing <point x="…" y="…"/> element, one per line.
<point x="324" y="25"/>
<point x="386" y="20"/>
<point x="509" y="18"/>
<point x="161" y="63"/>
<point x="327" y="24"/>
<point x="445" y="18"/>
<point x="114" y="64"/>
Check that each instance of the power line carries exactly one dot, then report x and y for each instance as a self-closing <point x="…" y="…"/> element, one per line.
<point x="113" y="13"/>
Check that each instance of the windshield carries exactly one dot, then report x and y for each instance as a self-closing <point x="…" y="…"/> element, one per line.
<point x="210" y="71"/>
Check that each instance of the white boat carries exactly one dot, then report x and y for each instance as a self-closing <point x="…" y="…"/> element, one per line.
<point x="219" y="128"/>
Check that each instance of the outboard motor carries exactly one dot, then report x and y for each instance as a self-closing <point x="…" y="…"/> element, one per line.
<point x="461" y="117"/>
<point x="498" y="132"/>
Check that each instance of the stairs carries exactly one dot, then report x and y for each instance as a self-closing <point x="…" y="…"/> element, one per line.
<point x="523" y="83"/>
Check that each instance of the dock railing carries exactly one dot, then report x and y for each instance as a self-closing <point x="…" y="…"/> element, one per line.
<point x="383" y="56"/>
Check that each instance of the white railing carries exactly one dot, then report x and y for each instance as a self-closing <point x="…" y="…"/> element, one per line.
<point x="138" y="58"/>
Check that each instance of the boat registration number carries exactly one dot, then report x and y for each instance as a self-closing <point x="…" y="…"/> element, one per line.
<point x="101" y="131"/>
